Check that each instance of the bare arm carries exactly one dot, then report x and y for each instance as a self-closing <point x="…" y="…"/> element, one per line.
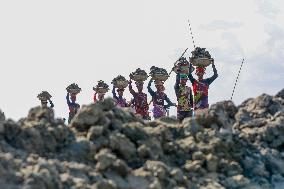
<point x="68" y="99"/>
<point x="177" y="84"/>
<point x="190" y="77"/>
<point x="170" y="103"/>
<point x="114" y="93"/>
<point x="51" y="104"/>
<point x="215" y="75"/>
<point x="150" y="90"/>
<point x="130" y="88"/>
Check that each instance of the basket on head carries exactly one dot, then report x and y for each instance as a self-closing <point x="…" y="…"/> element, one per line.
<point x="159" y="73"/>
<point x="120" y="82"/>
<point x="73" y="89"/>
<point x="100" y="90"/>
<point x="201" y="57"/>
<point x="44" y="96"/>
<point x="101" y="87"/>
<point x="139" y="75"/>
<point x="160" y="77"/>
<point x="182" y="66"/>
<point x="201" y="62"/>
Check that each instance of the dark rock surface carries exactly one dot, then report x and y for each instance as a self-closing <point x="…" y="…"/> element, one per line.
<point x="105" y="147"/>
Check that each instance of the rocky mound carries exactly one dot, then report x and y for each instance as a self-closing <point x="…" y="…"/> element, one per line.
<point x="106" y="147"/>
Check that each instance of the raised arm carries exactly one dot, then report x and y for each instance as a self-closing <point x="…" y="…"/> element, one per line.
<point x="95" y="97"/>
<point x="190" y="77"/>
<point x="68" y="99"/>
<point x="114" y="93"/>
<point x="51" y="104"/>
<point x="130" y="88"/>
<point x="177" y="84"/>
<point x="215" y="75"/>
<point x="169" y="102"/>
<point x="152" y="93"/>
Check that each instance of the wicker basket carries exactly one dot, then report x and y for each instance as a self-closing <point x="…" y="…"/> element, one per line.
<point x="101" y="90"/>
<point x="121" y="84"/>
<point x="44" y="96"/>
<point x="138" y="77"/>
<point x="73" y="91"/>
<point x="201" y="62"/>
<point x="160" y="77"/>
<point x="182" y="69"/>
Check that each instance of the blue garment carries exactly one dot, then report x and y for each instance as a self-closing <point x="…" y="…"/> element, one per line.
<point x="73" y="105"/>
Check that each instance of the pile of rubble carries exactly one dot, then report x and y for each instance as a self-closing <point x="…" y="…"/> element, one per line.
<point x="106" y="147"/>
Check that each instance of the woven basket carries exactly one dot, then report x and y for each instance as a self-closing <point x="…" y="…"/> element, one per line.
<point x="159" y="77"/>
<point x="73" y="91"/>
<point x="121" y="83"/>
<point x="182" y="69"/>
<point x="201" y="62"/>
<point x="139" y="77"/>
<point x="101" y="90"/>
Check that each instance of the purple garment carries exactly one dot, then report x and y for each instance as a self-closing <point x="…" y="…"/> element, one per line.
<point x="158" y="111"/>
<point x="121" y="102"/>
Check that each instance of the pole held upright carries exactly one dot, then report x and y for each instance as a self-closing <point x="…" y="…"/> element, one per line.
<point x="237" y="79"/>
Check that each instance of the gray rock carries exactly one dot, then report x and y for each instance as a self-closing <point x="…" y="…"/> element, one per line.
<point x="123" y="145"/>
<point x="105" y="159"/>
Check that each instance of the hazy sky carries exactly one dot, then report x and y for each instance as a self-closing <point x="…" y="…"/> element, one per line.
<point x="47" y="45"/>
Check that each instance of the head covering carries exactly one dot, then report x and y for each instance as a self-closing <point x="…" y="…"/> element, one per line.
<point x="183" y="76"/>
<point x="200" y="70"/>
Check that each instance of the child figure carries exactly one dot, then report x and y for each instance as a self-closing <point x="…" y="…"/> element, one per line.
<point x="139" y="99"/>
<point x="159" y="97"/>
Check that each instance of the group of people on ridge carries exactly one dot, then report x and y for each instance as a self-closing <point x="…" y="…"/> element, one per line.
<point x="189" y="100"/>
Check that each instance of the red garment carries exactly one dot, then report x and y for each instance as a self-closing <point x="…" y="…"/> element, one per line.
<point x="140" y="102"/>
<point x="198" y="86"/>
<point x="200" y="91"/>
<point x="141" y="105"/>
<point x="200" y="69"/>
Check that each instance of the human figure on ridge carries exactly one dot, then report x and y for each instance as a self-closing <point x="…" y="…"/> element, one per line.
<point x="72" y="90"/>
<point x="182" y="91"/>
<point x="159" y="98"/>
<point x="139" y="99"/>
<point x="120" y="100"/>
<point x="119" y="84"/>
<point x="44" y="97"/>
<point x="201" y="86"/>
<point x="101" y="89"/>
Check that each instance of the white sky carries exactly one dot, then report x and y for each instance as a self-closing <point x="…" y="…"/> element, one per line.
<point x="47" y="45"/>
